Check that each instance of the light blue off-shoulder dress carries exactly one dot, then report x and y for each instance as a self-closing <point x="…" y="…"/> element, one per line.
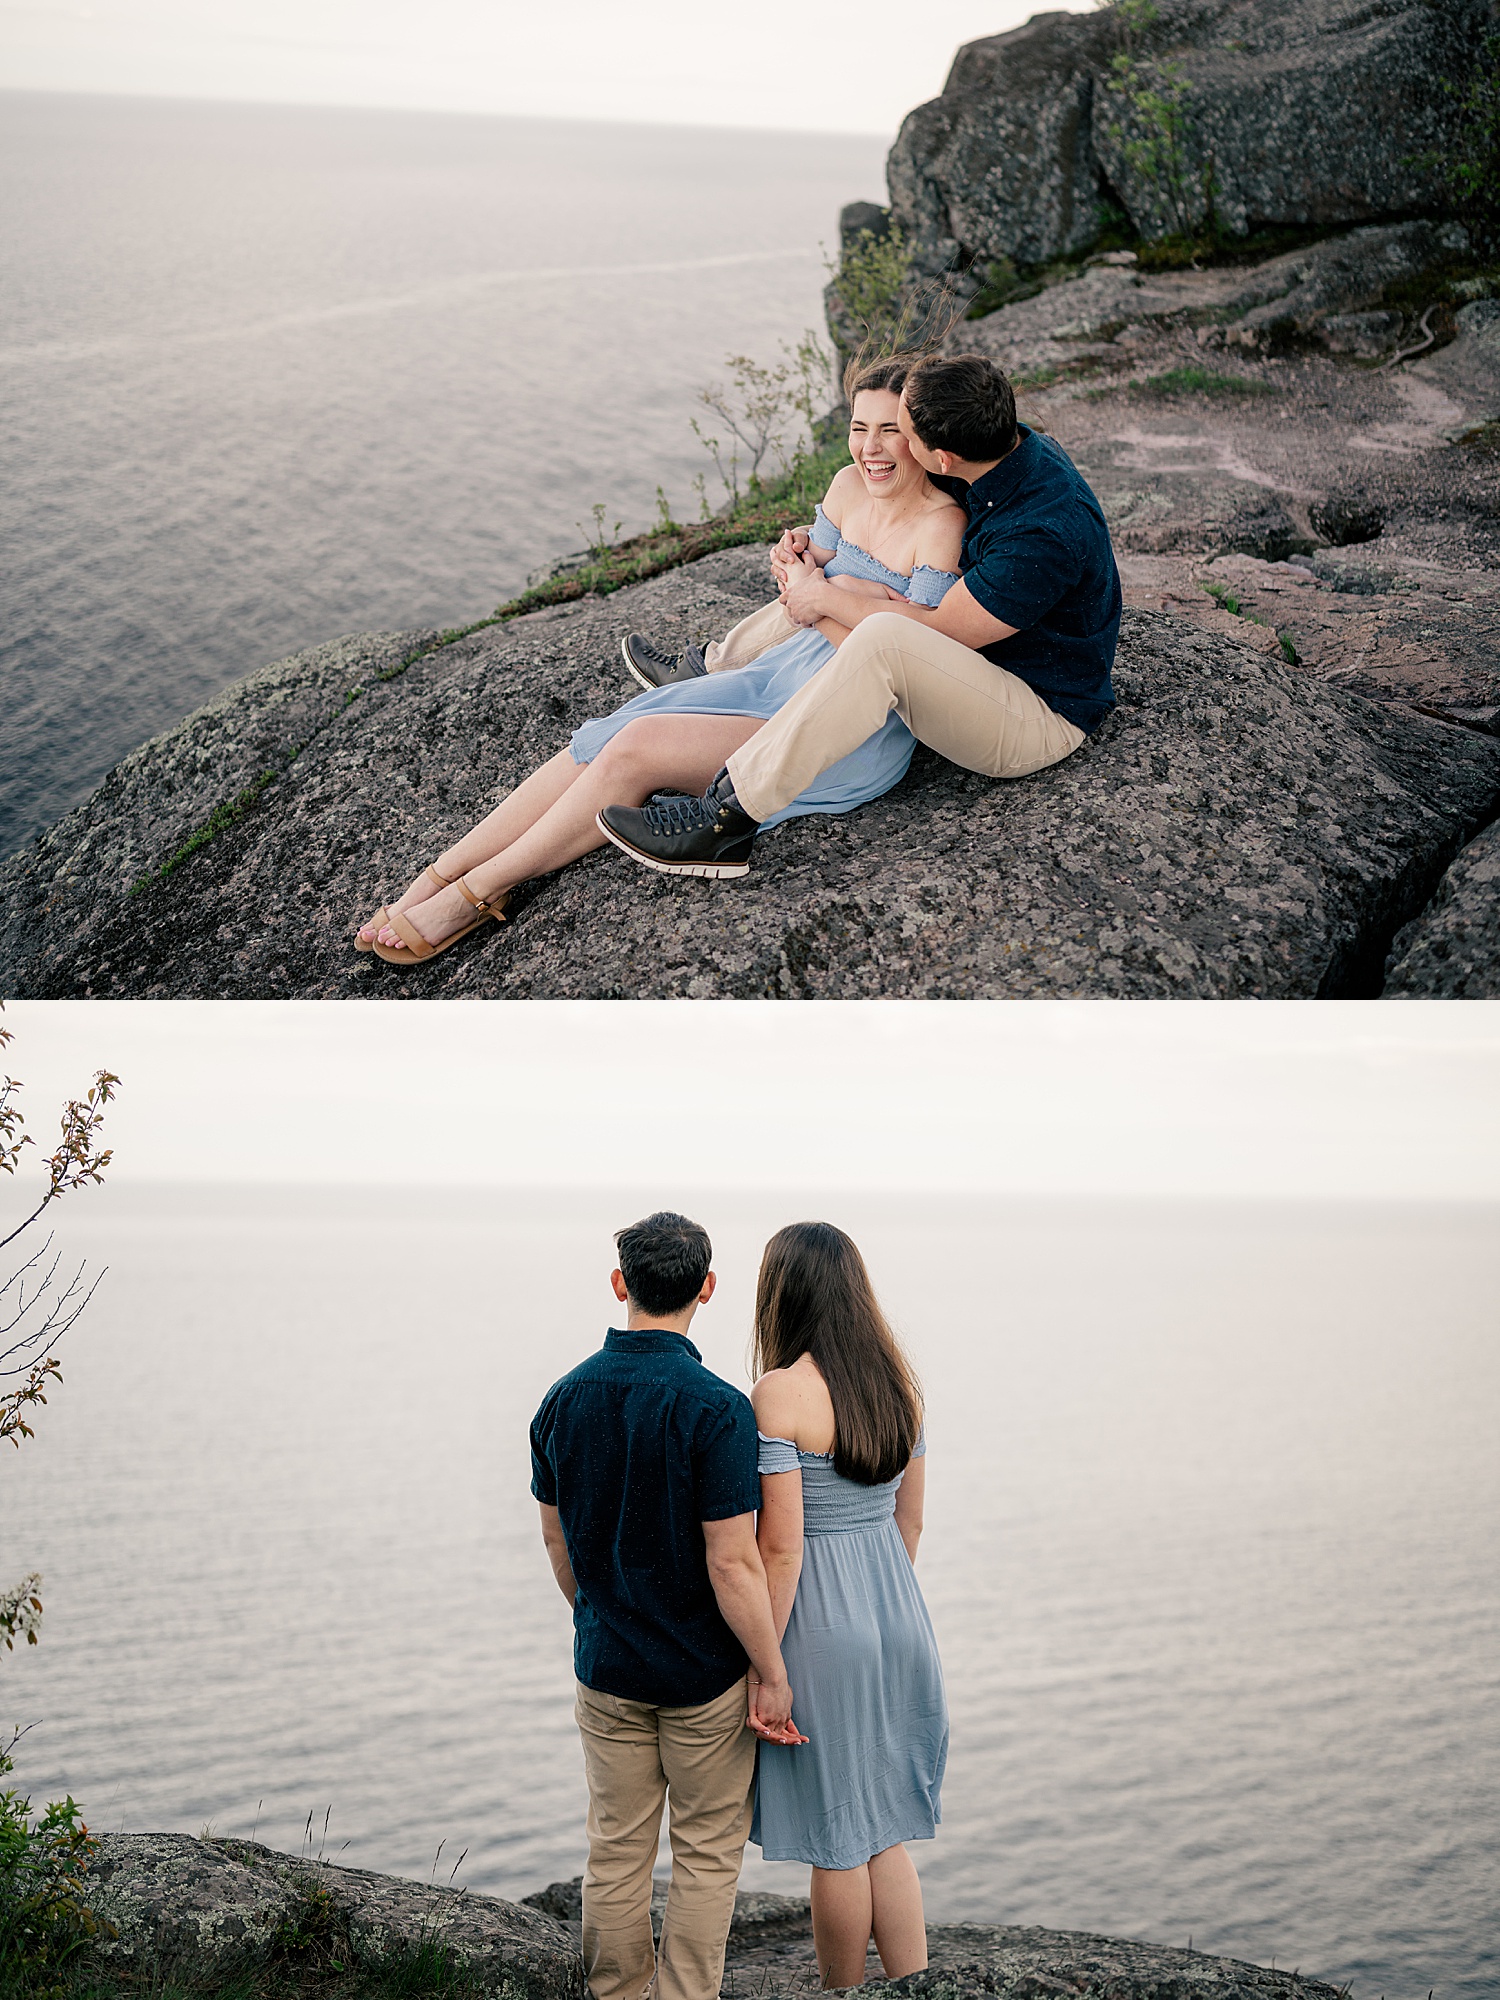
<point x="771" y="681"/>
<point x="867" y="1684"/>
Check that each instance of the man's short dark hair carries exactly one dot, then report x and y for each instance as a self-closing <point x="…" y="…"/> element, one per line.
<point x="664" y="1261"/>
<point x="962" y="403"/>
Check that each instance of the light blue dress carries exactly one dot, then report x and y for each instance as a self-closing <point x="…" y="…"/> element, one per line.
<point x="769" y="684"/>
<point x="867" y="1685"/>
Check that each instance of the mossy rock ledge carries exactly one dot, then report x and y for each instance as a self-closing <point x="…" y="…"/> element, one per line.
<point x="204" y="1907"/>
<point x="1237" y="829"/>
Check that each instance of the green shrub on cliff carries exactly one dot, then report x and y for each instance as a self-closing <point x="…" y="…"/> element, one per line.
<point x="769" y="412"/>
<point x="1472" y="170"/>
<point x="44" y="1921"/>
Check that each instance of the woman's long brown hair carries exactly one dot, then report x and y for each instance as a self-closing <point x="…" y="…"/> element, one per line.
<point x="814" y="1296"/>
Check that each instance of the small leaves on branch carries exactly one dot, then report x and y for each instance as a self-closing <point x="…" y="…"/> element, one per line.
<point x="768" y="414"/>
<point x="37" y="1307"/>
<point x="21" y="1611"/>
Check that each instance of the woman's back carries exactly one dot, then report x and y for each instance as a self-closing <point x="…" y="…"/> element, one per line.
<point x="831" y="1504"/>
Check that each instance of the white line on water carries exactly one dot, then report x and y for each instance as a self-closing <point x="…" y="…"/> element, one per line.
<point x="440" y="292"/>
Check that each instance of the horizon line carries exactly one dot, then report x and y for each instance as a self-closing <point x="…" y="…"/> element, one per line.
<point x="435" y="111"/>
<point x="749" y="1190"/>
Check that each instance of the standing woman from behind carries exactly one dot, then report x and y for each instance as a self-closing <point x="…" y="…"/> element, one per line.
<point x="842" y="1473"/>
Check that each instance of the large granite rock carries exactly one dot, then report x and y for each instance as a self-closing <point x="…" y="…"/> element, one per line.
<point x="1310" y="112"/>
<point x="1237" y="829"/>
<point x="771" y="1956"/>
<point x="1314" y="293"/>
<point x="1452" y="950"/>
<point x="203" y="1910"/>
<point x="211" y="1905"/>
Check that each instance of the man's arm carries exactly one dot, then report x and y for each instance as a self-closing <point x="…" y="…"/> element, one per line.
<point x="812" y="600"/>
<point x="557" y="1551"/>
<point x="739" y="1580"/>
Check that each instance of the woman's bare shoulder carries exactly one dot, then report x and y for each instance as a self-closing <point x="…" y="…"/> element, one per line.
<point x="844" y="487"/>
<point x="794" y="1403"/>
<point x="776" y="1400"/>
<point x="940" y="533"/>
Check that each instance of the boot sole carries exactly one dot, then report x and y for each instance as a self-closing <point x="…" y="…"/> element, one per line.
<point x="716" y="871"/>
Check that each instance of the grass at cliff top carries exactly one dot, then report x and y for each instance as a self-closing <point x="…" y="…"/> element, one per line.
<point x="427" y="1973"/>
<point x="759" y="516"/>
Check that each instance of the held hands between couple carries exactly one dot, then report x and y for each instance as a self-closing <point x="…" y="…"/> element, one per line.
<point x="807" y="595"/>
<point x="770" y="1712"/>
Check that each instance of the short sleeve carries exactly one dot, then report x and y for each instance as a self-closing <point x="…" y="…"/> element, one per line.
<point x="777" y="1454"/>
<point x="919" y="1449"/>
<point x="930" y="586"/>
<point x="543" y="1478"/>
<point x="725" y="1478"/>
<point x="824" y="533"/>
<point x="1021" y="575"/>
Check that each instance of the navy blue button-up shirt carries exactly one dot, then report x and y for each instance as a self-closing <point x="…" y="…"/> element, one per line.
<point x="1037" y="555"/>
<point x="636" y="1449"/>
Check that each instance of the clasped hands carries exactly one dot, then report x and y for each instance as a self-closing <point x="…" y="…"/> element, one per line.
<point x="799" y="580"/>
<point x="770" y="1711"/>
<point x="807" y="595"/>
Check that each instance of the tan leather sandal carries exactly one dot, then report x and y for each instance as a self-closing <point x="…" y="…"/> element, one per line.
<point x="383" y="915"/>
<point x="415" y="947"/>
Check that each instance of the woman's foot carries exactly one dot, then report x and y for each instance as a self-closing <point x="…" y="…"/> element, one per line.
<point x="435" y="919"/>
<point x="418" y="892"/>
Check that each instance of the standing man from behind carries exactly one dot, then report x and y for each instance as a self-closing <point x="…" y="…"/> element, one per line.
<point x="1009" y="674"/>
<point x="644" y="1466"/>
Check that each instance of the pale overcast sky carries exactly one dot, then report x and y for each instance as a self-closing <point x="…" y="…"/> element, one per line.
<point x="1357" y="1099"/>
<point x="813" y="68"/>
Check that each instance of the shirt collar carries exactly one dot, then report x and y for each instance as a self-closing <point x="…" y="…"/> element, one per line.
<point x="649" y="1340"/>
<point x="998" y="482"/>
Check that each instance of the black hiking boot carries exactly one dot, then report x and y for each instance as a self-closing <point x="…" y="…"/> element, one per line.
<point x="653" y="668"/>
<point x="684" y="836"/>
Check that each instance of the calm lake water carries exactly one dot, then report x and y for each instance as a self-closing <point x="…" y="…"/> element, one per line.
<point x="272" y="374"/>
<point x="1211" y="1549"/>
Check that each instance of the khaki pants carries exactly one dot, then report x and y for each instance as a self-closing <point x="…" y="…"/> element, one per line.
<point x="636" y="1755"/>
<point x="951" y="698"/>
<point x="745" y="642"/>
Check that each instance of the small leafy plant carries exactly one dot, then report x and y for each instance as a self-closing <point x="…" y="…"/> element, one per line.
<point x="44" y="1921"/>
<point x="1152" y="132"/>
<point x="769" y="414"/>
<point x="599" y="540"/>
<point x="1471" y="171"/>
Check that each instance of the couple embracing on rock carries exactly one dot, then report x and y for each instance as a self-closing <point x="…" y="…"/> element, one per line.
<point x="730" y="1559"/>
<point x="956" y="588"/>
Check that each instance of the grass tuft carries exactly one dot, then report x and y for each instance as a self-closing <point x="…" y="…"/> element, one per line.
<point x="1191" y="380"/>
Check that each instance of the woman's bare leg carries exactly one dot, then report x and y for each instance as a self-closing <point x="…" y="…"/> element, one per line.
<point x="896" y="1916"/>
<point x="517" y="811"/>
<point x="842" y="1913"/>
<point x="687" y="751"/>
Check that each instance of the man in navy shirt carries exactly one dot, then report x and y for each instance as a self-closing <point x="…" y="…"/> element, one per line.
<point x="644" y="1466"/>
<point x="1010" y="673"/>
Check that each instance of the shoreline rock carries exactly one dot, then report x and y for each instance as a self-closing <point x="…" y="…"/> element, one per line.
<point x="214" y="1906"/>
<point x="1238" y="828"/>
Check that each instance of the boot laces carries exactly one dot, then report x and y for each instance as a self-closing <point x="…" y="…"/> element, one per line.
<point x="686" y="815"/>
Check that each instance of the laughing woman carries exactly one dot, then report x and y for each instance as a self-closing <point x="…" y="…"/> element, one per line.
<point x="842" y="1463"/>
<point x="882" y="529"/>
